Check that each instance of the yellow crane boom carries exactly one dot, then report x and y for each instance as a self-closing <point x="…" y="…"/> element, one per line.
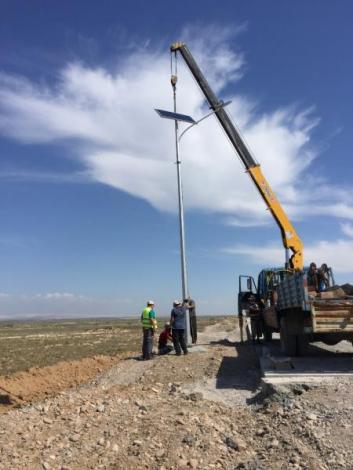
<point x="290" y="238"/>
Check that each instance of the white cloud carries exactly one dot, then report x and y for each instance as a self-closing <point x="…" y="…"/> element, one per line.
<point x="108" y="118"/>
<point x="58" y="296"/>
<point x="59" y="304"/>
<point x="336" y="253"/>
<point x="347" y="229"/>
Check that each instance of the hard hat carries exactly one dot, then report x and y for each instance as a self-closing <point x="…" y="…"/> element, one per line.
<point x="150" y="302"/>
<point x="167" y="324"/>
<point x="176" y="302"/>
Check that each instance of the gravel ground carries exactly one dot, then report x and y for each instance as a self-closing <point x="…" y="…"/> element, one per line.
<point x="201" y="411"/>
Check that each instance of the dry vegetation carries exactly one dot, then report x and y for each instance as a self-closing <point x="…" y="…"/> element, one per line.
<point x="43" y="343"/>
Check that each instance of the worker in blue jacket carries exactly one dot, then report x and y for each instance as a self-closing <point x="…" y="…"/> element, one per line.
<point x="178" y="324"/>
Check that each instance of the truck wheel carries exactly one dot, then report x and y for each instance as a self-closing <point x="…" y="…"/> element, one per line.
<point x="302" y="345"/>
<point x="288" y="341"/>
<point x="267" y="334"/>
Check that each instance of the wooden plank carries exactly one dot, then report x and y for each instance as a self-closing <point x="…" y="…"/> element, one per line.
<point x="334" y="314"/>
<point x="334" y="330"/>
<point x="348" y="321"/>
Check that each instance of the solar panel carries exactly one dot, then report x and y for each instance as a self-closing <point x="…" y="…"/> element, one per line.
<point x="175" y="116"/>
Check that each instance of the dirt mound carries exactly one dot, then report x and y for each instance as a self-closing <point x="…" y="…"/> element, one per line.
<point x="38" y="383"/>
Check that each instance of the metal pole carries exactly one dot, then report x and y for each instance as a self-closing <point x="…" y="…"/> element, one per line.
<point x="184" y="278"/>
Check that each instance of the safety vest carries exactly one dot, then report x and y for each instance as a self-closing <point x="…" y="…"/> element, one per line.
<point x="146" y="321"/>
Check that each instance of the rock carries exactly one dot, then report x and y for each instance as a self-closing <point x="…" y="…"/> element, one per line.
<point x="273" y="443"/>
<point x="46" y="466"/>
<point x="189" y="440"/>
<point x="240" y="444"/>
<point x="47" y="420"/>
<point x="115" y="448"/>
<point x="182" y="463"/>
<point x="160" y="453"/>
<point x="196" y="396"/>
<point x="101" y="441"/>
<point x="100" y="408"/>
<point x="229" y="442"/>
<point x="136" y="442"/>
<point x="75" y="438"/>
<point x="193" y="463"/>
<point x="311" y="416"/>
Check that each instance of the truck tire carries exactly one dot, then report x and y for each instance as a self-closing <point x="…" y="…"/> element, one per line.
<point x="267" y="334"/>
<point x="302" y="345"/>
<point x="288" y="341"/>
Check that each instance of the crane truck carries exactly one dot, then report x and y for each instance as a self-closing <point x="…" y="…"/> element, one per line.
<point x="284" y="301"/>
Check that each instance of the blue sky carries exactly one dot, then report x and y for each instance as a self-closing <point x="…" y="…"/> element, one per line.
<point x="87" y="180"/>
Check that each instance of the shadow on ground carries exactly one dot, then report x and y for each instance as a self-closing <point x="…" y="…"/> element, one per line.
<point x="240" y="371"/>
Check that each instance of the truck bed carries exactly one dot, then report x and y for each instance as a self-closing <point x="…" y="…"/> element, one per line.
<point x="333" y="315"/>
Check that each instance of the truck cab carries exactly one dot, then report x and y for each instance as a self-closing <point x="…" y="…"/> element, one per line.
<point x="288" y="305"/>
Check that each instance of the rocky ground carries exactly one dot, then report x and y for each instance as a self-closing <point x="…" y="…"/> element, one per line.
<point x="201" y="411"/>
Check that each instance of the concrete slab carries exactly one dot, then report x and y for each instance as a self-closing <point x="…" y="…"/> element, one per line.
<point x="322" y="366"/>
<point x="197" y="349"/>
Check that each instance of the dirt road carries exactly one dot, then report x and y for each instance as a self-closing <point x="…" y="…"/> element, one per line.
<point x="201" y="411"/>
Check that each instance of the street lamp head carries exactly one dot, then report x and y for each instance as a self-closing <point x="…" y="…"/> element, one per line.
<point x="175" y="116"/>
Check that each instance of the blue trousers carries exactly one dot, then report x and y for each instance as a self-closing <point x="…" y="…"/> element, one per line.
<point x="179" y="341"/>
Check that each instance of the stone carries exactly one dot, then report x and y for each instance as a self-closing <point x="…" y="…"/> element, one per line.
<point x="100" y="408"/>
<point x="47" y="420"/>
<point x="189" y="440"/>
<point x="196" y="396"/>
<point x="182" y="463"/>
<point x="136" y="442"/>
<point x="240" y="443"/>
<point x="193" y="463"/>
<point x="75" y="438"/>
<point x="229" y="442"/>
<point x="115" y="448"/>
<point x="46" y="466"/>
<point x="101" y="441"/>
<point x="160" y="453"/>
<point x="274" y="443"/>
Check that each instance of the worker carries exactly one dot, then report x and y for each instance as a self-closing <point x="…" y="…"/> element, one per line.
<point x="164" y="337"/>
<point x="149" y="326"/>
<point x="312" y="277"/>
<point x="255" y="319"/>
<point x="323" y="277"/>
<point x="178" y="323"/>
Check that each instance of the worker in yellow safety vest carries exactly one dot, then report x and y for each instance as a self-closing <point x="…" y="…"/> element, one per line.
<point x="149" y="325"/>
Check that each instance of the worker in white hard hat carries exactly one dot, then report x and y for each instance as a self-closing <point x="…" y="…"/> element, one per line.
<point x="178" y="323"/>
<point x="149" y="326"/>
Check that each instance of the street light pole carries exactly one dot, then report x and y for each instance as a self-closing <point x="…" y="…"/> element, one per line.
<point x="184" y="275"/>
<point x="176" y="117"/>
<point x="185" y="289"/>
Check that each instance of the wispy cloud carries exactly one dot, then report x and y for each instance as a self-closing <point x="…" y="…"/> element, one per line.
<point x="107" y="117"/>
<point x="337" y="253"/>
<point x="45" y="177"/>
<point x="347" y="229"/>
<point x="61" y="304"/>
